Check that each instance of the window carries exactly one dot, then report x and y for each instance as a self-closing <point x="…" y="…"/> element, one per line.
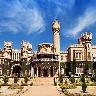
<point x="76" y="55"/>
<point x="1" y="61"/>
<point x="61" y="57"/>
<point x="19" y="55"/>
<point x="73" y="53"/>
<point x="79" y="55"/>
<point x="89" y="55"/>
<point x="46" y="49"/>
<point x="15" y="56"/>
<point x="0" y="72"/>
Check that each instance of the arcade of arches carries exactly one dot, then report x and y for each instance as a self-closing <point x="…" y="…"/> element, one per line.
<point x="45" y="69"/>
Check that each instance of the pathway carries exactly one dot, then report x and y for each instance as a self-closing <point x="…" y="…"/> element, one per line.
<point x="42" y="87"/>
<point x="41" y="91"/>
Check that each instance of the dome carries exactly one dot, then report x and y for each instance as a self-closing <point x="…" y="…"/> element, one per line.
<point x="56" y="25"/>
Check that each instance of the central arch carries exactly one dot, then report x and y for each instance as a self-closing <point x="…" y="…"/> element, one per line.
<point x="16" y="70"/>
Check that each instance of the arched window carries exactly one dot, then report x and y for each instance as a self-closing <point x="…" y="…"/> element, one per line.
<point x="15" y="56"/>
<point x="61" y="57"/>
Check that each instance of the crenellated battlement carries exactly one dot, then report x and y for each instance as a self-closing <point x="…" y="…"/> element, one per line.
<point x="26" y="45"/>
<point x="7" y="44"/>
<point x="76" y="45"/>
<point x="87" y="36"/>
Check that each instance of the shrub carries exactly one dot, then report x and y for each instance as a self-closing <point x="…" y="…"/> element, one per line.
<point x="31" y="83"/>
<point x="74" y="94"/>
<point x="55" y="84"/>
<point x="88" y="95"/>
<point x="72" y="79"/>
<point x="24" y="84"/>
<point x="16" y="79"/>
<point x="5" y="84"/>
<point x="15" y="86"/>
<point x="60" y="79"/>
<point x="66" y="81"/>
<point x="26" y="79"/>
<point x="84" y="86"/>
<point x="82" y="78"/>
<point x="5" y="79"/>
<point x="65" y="91"/>
<point x="67" y="86"/>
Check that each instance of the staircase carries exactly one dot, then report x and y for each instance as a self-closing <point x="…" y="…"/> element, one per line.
<point x="41" y="81"/>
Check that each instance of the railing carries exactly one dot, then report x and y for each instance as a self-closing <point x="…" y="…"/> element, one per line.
<point x="45" y="59"/>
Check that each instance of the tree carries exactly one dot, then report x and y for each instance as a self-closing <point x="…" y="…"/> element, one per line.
<point x="5" y="79"/>
<point x="72" y="79"/>
<point x="24" y="62"/>
<point x="82" y="78"/>
<point x="60" y="79"/>
<point x="5" y="67"/>
<point x="73" y="66"/>
<point x="67" y="68"/>
<point x="94" y="68"/>
<point x="16" y="79"/>
<point x="26" y="79"/>
<point x="84" y="86"/>
<point x="86" y="68"/>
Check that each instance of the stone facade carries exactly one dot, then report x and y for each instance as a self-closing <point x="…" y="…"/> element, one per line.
<point x="56" y="36"/>
<point x="12" y="59"/>
<point x="45" y="63"/>
<point x="47" y="59"/>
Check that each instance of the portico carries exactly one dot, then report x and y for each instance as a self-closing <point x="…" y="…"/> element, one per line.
<point x="44" y="69"/>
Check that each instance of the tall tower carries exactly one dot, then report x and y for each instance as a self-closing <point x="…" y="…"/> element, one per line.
<point x="7" y="49"/>
<point x="56" y="36"/>
<point x="26" y="49"/>
<point x="88" y="45"/>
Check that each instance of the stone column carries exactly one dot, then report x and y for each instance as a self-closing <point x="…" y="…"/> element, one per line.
<point x="16" y="56"/>
<point x="49" y="72"/>
<point x="40" y="72"/>
<point x="12" y="56"/>
<point x="53" y="71"/>
<point x="32" y="72"/>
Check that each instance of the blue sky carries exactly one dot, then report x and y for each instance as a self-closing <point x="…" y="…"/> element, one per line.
<point x="32" y="20"/>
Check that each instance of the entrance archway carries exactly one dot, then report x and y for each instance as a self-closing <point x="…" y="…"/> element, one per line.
<point x="16" y="70"/>
<point x="45" y="74"/>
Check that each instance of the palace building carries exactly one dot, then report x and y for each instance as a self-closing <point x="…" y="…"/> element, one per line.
<point x="11" y="60"/>
<point x="49" y="60"/>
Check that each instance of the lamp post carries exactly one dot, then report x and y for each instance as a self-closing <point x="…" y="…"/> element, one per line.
<point x="59" y="66"/>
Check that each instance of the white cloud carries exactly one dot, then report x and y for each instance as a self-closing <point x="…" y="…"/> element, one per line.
<point x="11" y="26"/>
<point x="62" y="7"/>
<point x="37" y="24"/>
<point x="21" y="18"/>
<point x="84" y="21"/>
<point x="64" y="3"/>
